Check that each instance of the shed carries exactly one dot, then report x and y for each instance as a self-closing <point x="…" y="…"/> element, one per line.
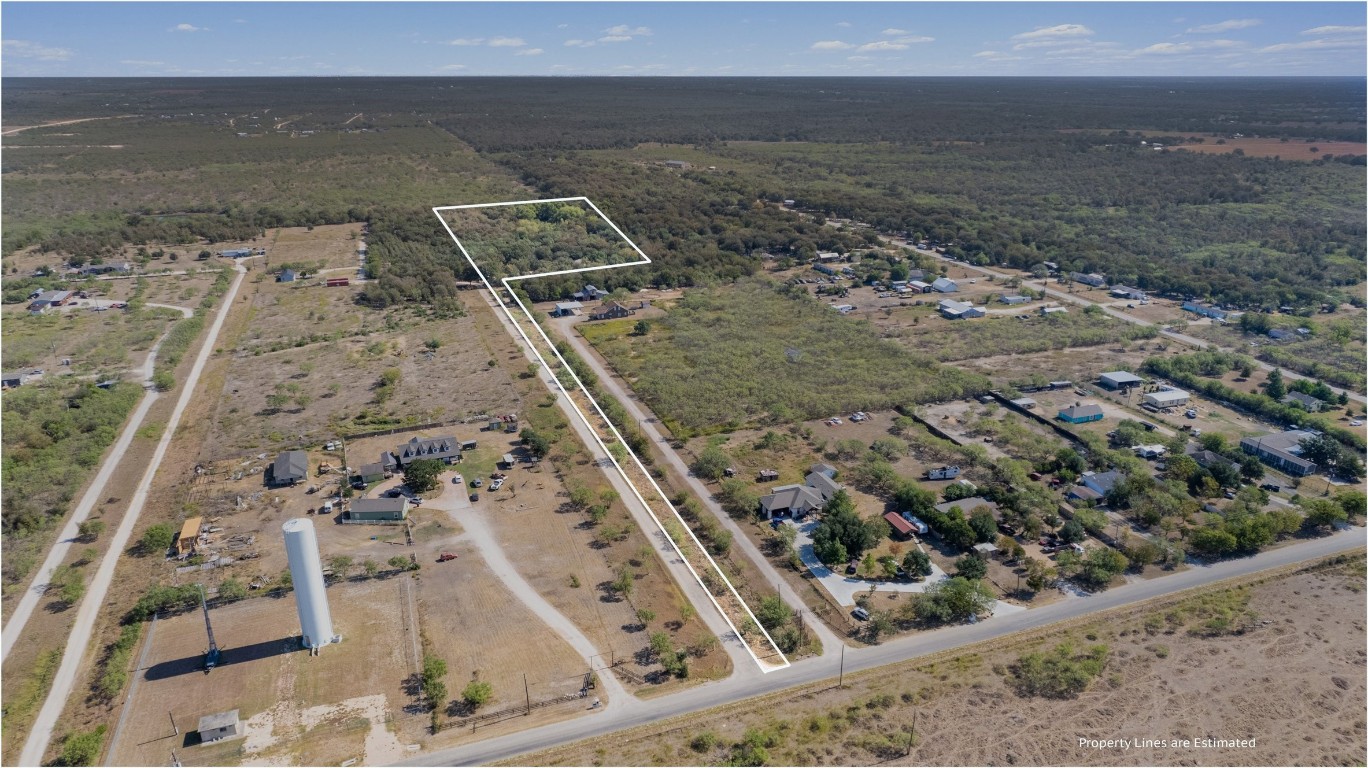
<point x="468" y="445"/>
<point x="372" y="473"/>
<point x="1013" y="299"/>
<point x="219" y="726"/>
<point x="944" y="285"/>
<point x="901" y="528"/>
<point x="986" y="549"/>
<point x="287" y="276"/>
<point x="383" y="510"/>
<point x="13" y="379"/>
<point x="189" y="533"/>
<point x="567" y="309"/>
<point x="1054" y="310"/>
<point x="506" y="462"/>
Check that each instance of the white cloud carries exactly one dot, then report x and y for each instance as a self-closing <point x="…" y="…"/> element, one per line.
<point x="1226" y="26"/>
<point x="997" y="56"/>
<point x="239" y="21"/>
<point x="615" y="39"/>
<point x="562" y="26"/>
<point x="467" y="41"/>
<point x="142" y="63"/>
<point x="1166" y="48"/>
<point x="892" y="32"/>
<point x="188" y="28"/>
<point x="507" y="42"/>
<point x="623" y="29"/>
<point x="1334" y="30"/>
<point x="858" y="58"/>
<point x="453" y="67"/>
<point x="27" y="49"/>
<point x="831" y="45"/>
<point x="1314" y="45"/>
<point x="529" y="52"/>
<point x="882" y="45"/>
<point x="1059" y="30"/>
<point x="843" y="24"/>
<point x="579" y="43"/>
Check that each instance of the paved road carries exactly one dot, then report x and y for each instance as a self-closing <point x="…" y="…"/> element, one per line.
<point x="78" y="642"/>
<point x="22" y="612"/>
<point x="830" y="642"/>
<point x="828" y="666"/>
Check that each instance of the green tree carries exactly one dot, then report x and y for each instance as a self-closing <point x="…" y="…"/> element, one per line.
<point x="83" y="748"/>
<point x="232" y="589"/>
<point x="536" y="444"/>
<point x="842" y="534"/>
<point x="917" y="563"/>
<point x="1274" y="386"/>
<point x="711" y="464"/>
<point x="1322" y="513"/>
<point x="641" y="328"/>
<point x="1100" y="565"/>
<point x="1212" y="541"/>
<point x="477" y="693"/>
<point x="420" y="475"/>
<point x="89" y="530"/>
<point x="773" y="612"/>
<point x="971" y="567"/>
<point x="1072" y="532"/>
<point x="984" y="525"/>
<point x="953" y="599"/>
<point x="157" y="539"/>
<point x="1039" y="574"/>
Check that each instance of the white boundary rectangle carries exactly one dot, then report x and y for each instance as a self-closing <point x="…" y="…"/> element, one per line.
<point x="764" y="666"/>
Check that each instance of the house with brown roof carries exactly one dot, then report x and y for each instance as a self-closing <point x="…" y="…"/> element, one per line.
<point x="611" y="310"/>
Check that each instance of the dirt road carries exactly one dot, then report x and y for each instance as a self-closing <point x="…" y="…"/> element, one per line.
<point x="742" y="662"/>
<point x="83" y="629"/>
<point x="96" y="491"/>
<point x="647" y="422"/>
<point x="23" y="128"/>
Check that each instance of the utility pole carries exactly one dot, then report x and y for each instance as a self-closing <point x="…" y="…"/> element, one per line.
<point x="174" y="727"/>
<point x="912" y="735"/>
<point x="527" y="694"/>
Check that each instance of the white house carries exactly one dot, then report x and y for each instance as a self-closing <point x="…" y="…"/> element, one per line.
<point x="1166" y="398"/>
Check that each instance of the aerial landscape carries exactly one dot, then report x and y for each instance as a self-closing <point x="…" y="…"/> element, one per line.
<point x="655" y="384"/>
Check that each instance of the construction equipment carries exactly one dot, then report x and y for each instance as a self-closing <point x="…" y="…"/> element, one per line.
<point x="211" y="659"/>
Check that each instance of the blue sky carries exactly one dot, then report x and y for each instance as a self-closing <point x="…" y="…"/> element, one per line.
<point x="627" y="38"/>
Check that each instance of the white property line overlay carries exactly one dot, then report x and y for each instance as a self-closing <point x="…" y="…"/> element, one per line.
<point x="765" y="667"/>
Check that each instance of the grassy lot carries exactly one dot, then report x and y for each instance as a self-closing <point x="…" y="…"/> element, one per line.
<point x="757" y="352"/>
<point x="528" y="239"/>
<point x="1333" y="352"/>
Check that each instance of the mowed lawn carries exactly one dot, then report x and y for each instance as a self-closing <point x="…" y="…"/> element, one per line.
<point x="759" y="352"/>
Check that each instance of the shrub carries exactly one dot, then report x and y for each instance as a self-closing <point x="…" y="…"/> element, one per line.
<point x="477" y="693"/>
<point x="1058" y="674"/>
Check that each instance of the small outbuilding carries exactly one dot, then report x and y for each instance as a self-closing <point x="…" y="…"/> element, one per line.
<point x="506" y="462"/>
<point x="902" y="529"/>
<point x="372" y="473"/>
<point x="219" y="726"/>
<point x="379" y="511"/>
<point x="188" y="536"/>
<point x="287" y="276"/>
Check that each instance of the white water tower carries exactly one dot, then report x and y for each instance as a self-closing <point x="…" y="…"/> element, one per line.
<point x="306" y="570"/>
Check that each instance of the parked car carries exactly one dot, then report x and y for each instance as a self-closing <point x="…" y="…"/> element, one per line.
<point x="852" y="568"/>
<point x="458" y="480"/>
<point x="394" y="493"/>
<point x="474" y="497"/>
<point x="496" y="485"/>
<point x="1356" y="423"/>
<point x="1274" y="487"/>
<point x="860" y="614"/>
<point x="476" y="483"/>
<point x="1191" y="413"/>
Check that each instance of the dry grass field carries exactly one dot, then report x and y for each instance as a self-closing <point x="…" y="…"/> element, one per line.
<point x="1279" y="661"/>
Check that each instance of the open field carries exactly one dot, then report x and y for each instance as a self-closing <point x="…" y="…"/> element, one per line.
<point x="310" y="362"/>
<point x="326" y="247"/>
<point x="537" y="238"/>
<point x="1282" y="149"/>
<point x="1198" y="666"/>
<point x="762" y="355"/>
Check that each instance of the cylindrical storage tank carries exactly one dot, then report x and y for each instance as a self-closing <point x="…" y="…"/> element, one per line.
<point x="306" y="570"/>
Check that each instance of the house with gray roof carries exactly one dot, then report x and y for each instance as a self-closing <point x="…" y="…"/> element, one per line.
<point x="944" y="285"/>
<point x="797" y="501"/>
<point x="445" y="449"/>
<point x="1302" y="400"/>
<point x="1282" y="450"/>
<point x="967" y="506"/>
<point x="290" y="467"/>
<point x="1102" y="482"/>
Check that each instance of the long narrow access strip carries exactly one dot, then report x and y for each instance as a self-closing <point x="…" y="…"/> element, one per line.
<point x="704" y="568"/>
